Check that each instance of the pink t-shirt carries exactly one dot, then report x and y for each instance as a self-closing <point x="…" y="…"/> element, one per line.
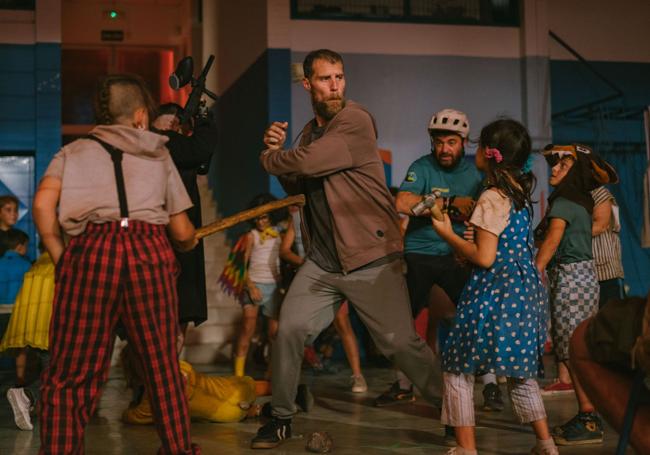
<point x="492" y="212"/>
<point x="154" y="189"/>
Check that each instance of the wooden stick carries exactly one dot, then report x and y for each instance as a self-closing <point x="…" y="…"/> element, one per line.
<point x="216" y="226"/>
<point x="437" y="213"/>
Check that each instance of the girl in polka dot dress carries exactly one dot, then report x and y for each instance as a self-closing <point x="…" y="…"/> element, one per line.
<point x="500" y="323"/>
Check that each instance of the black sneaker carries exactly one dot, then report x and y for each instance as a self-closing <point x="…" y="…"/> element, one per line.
<point x="272" y="434"/>
<point x="584" y="428"/>
<point x="492" y="398"/>
<point x="266" y="410"/>
<point x="450" y="435"/>
<point x="395" y="395"/>
<point x="304" y="398"/>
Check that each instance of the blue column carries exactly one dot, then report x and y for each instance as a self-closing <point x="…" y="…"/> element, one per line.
<point x="279" y="99"/>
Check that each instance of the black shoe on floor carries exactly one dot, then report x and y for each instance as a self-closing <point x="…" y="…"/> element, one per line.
<point x="450" y="435"/>
<point x="272" y="434"/>
<point x="492" y="398"/>
<point x="266" y="410"/>
<point x="304" y="398"/>
<point x="395" y="395"/>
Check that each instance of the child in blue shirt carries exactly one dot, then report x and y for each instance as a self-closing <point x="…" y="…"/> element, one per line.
<point x="13" y="265"/>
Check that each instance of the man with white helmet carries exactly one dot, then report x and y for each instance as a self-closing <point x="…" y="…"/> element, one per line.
<point x="430" y="260"/>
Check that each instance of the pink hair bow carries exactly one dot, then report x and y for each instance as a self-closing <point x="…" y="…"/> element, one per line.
<point x="494" y="153"/>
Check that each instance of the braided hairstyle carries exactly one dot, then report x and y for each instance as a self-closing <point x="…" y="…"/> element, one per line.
<point x="509" y="176"/>
<point x="118" y="96"/>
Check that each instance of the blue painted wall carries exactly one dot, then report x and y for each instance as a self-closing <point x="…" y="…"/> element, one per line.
<point x="30" y="111"/>
<point x="279" y="99"/>
<point x="572" y="85"/>
<point x="260" y="95"/>
<point x="242" y="112"/>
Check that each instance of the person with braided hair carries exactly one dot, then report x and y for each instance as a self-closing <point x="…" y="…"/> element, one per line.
<point x="114" y="193"/>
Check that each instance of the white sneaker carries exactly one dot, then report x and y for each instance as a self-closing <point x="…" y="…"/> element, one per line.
<point x="358" y="384"/>
<point x="460" y="451"/>
<point x="545" y="448"/>
<point x="20" y="405"/>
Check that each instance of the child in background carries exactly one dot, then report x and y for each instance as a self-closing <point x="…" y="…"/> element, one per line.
<point x="262" y="259"/>
<point x="8" y="217"/>
<point x="13" y="265"/>
<point x="29" y="330"/>
<point x="500" y="322"/>
<point x="565" y="253"/>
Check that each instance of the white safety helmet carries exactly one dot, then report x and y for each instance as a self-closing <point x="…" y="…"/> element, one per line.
<point x="450" y="120"/>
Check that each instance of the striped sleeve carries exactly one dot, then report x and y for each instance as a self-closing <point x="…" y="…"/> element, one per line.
<point x="600" y="195"/>
<point x="606" y="247"/>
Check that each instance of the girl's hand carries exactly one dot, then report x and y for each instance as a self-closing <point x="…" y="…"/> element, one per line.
<point x="255" y="294"/>
<point x="443" y="228"/>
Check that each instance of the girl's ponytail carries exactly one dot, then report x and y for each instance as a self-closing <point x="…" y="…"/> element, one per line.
<point x="510" y="161"/>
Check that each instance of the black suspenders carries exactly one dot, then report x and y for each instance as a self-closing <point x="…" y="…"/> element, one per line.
<point x="116" y="156"/>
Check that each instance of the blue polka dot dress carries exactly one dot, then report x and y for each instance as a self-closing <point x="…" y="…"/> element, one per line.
<point x="500" y="323"/>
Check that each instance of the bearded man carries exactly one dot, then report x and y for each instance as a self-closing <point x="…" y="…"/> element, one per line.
<point x="354" y="246"/>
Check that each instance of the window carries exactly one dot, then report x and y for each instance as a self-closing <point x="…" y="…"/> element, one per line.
<point x="468" y="12"/>
<point x="17" y="178"/>
<point x="28" y="5"/>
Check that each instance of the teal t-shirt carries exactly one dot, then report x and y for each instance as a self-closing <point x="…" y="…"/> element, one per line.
<point x="575" y="245"/>
<point x="424" y="176"/>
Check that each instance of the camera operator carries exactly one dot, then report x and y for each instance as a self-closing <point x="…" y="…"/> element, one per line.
<point x="191" y="155"/>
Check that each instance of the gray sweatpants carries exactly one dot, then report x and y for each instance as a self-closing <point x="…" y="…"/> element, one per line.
<point x="381" y="299"/>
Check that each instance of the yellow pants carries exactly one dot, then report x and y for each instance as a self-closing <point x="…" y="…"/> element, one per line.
<point x="213" y="398"/>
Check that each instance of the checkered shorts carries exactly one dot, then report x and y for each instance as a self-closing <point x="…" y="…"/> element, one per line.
<point x="574" y="296"/>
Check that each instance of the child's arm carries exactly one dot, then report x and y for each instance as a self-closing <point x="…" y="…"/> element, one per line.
<point x="254" y="293"/>
<point x="182" y="232"/>
<point x="286" y="253"/>
<point x="44" y="207"/>
<point x="601" y="217"/>
<point x="482" y="252"/>
<point x="550" y="243"/>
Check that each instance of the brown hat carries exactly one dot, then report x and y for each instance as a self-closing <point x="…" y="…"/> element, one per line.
<point x="601" y="171"/>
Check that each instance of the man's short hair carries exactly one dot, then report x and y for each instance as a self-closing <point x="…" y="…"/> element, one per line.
<point x="319" y="54"/>
<point x="8" y="199"/>
<point x="13" y="238"/>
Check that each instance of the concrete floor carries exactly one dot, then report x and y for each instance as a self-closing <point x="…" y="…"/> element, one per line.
<point x="355" y="425"/>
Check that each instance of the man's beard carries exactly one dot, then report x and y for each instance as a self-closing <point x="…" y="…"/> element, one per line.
<point x="328" y="109"/>
<point x="455" y="159"/>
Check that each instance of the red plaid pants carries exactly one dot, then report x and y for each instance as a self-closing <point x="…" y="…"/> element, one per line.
<point x="106" y="275"/>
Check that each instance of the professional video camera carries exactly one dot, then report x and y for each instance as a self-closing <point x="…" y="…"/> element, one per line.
<point x="183" y="75"/>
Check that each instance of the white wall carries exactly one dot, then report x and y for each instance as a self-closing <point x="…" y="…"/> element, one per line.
<point x="601" y="30"/>
<point x="405" y="39"/>
<point x="17" y="27"/>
